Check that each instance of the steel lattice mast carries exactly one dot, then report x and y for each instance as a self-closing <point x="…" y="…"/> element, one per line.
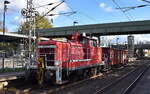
<point x="29" y="13"/>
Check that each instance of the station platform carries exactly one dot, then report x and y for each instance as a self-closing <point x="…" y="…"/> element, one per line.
<point x="11" y="76"/>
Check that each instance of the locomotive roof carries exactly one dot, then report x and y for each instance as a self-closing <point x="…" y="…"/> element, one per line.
<point x="75" y="37"/>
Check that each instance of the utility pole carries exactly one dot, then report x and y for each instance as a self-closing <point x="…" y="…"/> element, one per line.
<point x="5" y="9"/>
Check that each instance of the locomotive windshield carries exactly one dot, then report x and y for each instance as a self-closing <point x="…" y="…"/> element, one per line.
<point x="83" y="40"/>
<point x="93" y="43"/>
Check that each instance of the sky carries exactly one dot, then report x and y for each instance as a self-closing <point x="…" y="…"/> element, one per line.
<point x="88" y="12"/>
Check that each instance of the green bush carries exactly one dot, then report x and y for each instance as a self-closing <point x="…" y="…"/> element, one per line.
<point x="12" y="70"/>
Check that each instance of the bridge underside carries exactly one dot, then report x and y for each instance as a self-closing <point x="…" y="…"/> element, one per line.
<point x="119" y="28"/>
<point x="11" y="39"/>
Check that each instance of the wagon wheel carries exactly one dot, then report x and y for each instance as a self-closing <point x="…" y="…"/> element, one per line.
<point x="109" y="66"/>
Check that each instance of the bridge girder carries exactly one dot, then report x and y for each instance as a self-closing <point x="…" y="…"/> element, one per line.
<point x="118" y="28"/>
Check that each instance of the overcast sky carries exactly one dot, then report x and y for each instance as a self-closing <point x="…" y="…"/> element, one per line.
<point x="88" y="12"/>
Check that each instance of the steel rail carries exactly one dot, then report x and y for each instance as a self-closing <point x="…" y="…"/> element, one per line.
<point x="73" y="84"/>
<point x="133" y="84"/>
<point x="76" y="83"/>
<point x="111" y="84"/>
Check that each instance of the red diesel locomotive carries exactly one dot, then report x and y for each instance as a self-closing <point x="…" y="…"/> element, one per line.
<point x="78" y="57"/>
<point x="59" y="61"/>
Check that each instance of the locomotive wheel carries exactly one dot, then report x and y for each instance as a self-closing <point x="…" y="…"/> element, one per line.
<point x="40" y="76"/>
<point x="93" y="72"/>
<point x="73" y="76"/>
<point x="85" y="74"/>
<point x="99" y="69"/>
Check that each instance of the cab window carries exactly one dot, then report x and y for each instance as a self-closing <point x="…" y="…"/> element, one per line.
<point x="93" y="43"/>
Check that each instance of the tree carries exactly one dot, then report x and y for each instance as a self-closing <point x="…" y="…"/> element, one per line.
<point x="1" y="27"/>
<point x="40" y="23"/>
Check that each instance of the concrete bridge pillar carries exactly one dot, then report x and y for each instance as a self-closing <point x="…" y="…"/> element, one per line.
<point x="130" y="46"/>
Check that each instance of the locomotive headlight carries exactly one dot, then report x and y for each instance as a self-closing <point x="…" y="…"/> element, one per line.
<point x="57" y="63"/>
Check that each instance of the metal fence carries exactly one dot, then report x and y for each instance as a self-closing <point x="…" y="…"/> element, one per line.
<point x="14" y="60"/>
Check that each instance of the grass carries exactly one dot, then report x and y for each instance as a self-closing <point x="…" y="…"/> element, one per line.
<point x="12" y="70"/>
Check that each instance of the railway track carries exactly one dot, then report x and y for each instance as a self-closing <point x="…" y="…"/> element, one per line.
<point x="34" y="89"/>
<point x="77" y="84"/>
<point x="126" y="83"/>
<point x="52" y="89"/>
<point x="132" y="85"/>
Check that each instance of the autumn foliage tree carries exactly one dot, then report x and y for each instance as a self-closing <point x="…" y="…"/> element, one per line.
<point x="1" y="27"/>
<point x="40" y="23"/>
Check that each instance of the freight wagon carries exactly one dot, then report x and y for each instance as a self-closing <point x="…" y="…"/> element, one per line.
<point x="115" y="57"/>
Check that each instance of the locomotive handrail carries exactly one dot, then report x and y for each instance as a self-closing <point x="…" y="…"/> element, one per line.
<point x="45" y="57"/>
<point x="47" y="53"/>
<point x="51" y="60"/>
<point x="69" y="54"/>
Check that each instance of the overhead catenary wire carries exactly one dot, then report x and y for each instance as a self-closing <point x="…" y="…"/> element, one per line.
<point x="98" y="3"/>
<point x="125" y="9"/>
<point x="66" y="13"/>
<point x="82" y="14"/>
<point x="71" y="19"/>
<point x="74" y="20"/>
<point x="46" y="5"/>
<point x="146" y="1"/>
<point x="50" y="10"/>
<point x="72" y="10"/>
<point x="121" y="10"/>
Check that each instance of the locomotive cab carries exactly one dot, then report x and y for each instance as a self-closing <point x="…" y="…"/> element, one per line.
<point x="47" y="61"/>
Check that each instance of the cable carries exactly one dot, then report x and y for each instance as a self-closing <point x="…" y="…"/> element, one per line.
<point x="50" y="10"/>
<point x="121" y="10"/>
<point x="82" y="13"/>
<point x="66" y="13"/>
<point x="146" y="1"/>
<point x="129" y="14"/>
<point x="46" y="5"/>
<point x="72" y="19"/>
